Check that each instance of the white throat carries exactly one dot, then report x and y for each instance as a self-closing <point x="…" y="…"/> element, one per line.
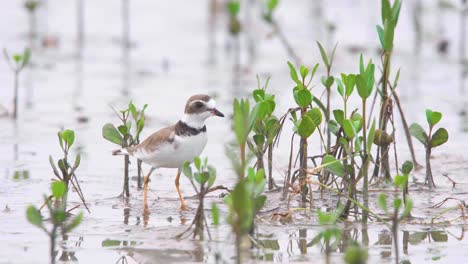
<point x="195" y="120"/>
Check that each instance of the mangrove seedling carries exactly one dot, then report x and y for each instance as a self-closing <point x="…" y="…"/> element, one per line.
<point x="399" y="211"/>
<point x="122" y="136"/>
<point x="304" y="125"/>
<point x="59" y="218"/>
<point x="365" y="84"/>
<point x="265" y="130"/>
<point x="201" y="180"/>
<point x="19" y="62"/>
<point x="386" y="32"/>
<point x="66" y="172"/>
<point x="244" y="202"/>
<point x="327" y="81"/>
<point x="243" y="121"/>
<point x="430" y="140"/>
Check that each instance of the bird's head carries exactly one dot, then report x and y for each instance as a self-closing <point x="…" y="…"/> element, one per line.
<point x="198" y="108"/>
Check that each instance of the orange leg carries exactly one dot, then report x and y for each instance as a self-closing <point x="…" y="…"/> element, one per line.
<point x="181" y="198"/>
<point x="145" y="190"/>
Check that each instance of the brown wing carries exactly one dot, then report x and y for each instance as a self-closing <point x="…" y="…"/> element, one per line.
<point x="165" y="135"/>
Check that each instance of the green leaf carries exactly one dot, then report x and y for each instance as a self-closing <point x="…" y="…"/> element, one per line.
<point x="197" y="163"/>
<point x="77" y="161"/>
<point x="396" y="11"/>
<point x="324" y="54"/>
<point x="340" y="87"/>
<point x="407" y="167"/>
<point x="349" y="82"/>
<point x="272" y="4"/>
<point x="418" y="132"/>
<point x="408" y="207"/>
<point x="58" y="189"/>
<point x="383" y="202"/>
<point x="132" y="109"/>
<point x="386" y="11"/>
<point x="389" y="33"/>
<point x="263" y="109"/>
<point x="339" y="116"/>
<point x="304" y="71"/>
<point x="258" y="95"/>
<point x="260" y="202"/>
<point x="293" y="73"/>
<point x="233" y="7"/>
<point x="303" y="97"/>
<point x="364" y="90"/>
<point x="305" y="126"/>
<point x="68" y="136"/>
<point x="75" y="222"/>
<point x="439" y="236"/>
<point x="26" y="57"/>
<point x="58" y="217"/>
<point x="215" y="213"/>
<point x="333" y="165"/>
<point x="349" y="129"/>
<point x="401" y="180"/>
<point x="34" y="216"/>
<point x="380" y="32"/>
<point x="433" y="117"/>
<point x="110" y="133"/>
<point x="315" y="115"/>
<point x="327" y="81"/>
<point x="439" y="137"/>
<point x="212" y="176"/>
<point x="17" y="58"/>
<point x="187" y="170"/>
<point x="397" y="203"/>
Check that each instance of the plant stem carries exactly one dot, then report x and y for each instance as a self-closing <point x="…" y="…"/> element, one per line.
<point x="15" y="99"/>
<point x="126" y="188"/>
<point x="365" y="164"/>
<point x="429" y="178"/>
<point x="242" y="153"/>
<point x="52" y="237"/>
<point x="139" y="163"/>
<point x="271" y="182"/>
<point x="462" y="44"/>
<point x="395" y="235"/>
<point x="303" y="170"/>
<point x="384" y="157"/>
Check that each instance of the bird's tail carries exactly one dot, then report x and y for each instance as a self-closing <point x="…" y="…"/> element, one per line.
<point x="120" y="152"/>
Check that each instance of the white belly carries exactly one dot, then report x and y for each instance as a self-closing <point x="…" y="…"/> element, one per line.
<point x="176" y="153"/>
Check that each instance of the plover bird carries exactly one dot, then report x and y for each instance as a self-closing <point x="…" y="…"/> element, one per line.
<point x="172" y="146"/>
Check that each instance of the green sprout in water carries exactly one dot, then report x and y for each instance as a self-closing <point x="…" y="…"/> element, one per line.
<point x="66" y="172"/>
<point x="244" y="202"/>
<point x="19" y="62"/>
<point x="202" y="180"/>
<point x="265" y="130"/>
<point x="243" y="122"/>
<point x="122" y="136"/>
<point x="309" y="120"/>
<point x="60" y="219"/>
<point x="430" y="140"/>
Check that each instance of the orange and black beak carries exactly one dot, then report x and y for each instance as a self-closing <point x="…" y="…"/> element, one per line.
<point x="216" y="112"/>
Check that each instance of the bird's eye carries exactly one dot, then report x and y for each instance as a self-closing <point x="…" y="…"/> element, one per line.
<point x="198" y="105"/>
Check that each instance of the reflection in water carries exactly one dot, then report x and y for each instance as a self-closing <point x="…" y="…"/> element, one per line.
<point x="68" y="251"/>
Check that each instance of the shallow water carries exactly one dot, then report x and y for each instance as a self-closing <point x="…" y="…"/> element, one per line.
<point x="174" y="54"/>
